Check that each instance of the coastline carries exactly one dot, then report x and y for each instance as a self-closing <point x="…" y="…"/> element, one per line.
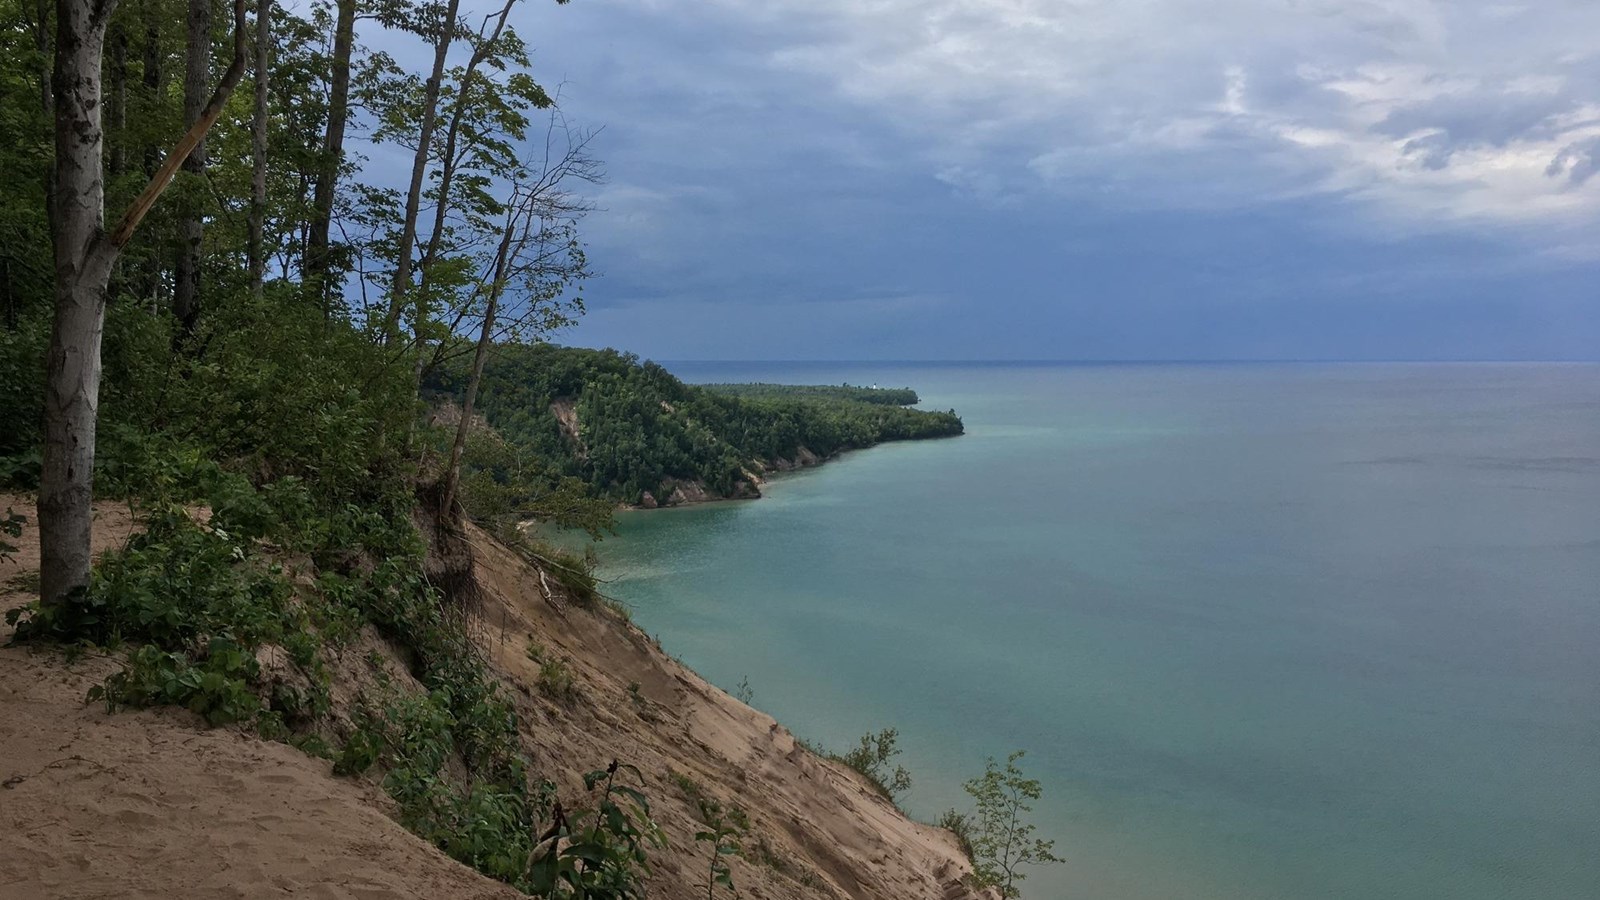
<point x="766" y="471"/>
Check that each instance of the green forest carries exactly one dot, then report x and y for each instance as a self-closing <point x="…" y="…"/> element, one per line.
<point x="875" y="395"/>
<point x="637" y="430"/>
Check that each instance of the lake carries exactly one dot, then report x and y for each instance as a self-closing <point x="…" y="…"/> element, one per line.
<point x="1266" y="631"/>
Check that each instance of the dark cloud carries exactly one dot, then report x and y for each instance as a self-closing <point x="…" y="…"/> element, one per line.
<point x="1577" y="162"/>
<point x="829" y="179"/>
<point x="1495" y="117"/>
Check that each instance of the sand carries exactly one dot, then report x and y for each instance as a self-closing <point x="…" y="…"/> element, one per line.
<point x="155" y="804"/>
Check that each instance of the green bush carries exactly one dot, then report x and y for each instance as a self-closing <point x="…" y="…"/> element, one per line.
<point x="873" y="756"/>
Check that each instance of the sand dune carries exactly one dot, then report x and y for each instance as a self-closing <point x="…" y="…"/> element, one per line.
<point x="154" y="804"/>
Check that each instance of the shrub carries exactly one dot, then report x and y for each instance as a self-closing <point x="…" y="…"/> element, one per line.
<point x="555" y="681"/>
<point x="872" y="758"/>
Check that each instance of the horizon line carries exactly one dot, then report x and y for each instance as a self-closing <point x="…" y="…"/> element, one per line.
<point x="1150" y="361"/>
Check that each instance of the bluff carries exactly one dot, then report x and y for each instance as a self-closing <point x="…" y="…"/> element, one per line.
<point x="155" y="802"/>
<point x="634" y="433"/>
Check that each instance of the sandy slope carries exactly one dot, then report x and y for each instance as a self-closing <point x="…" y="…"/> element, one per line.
<point x="155" y="804"/>
<point x="836" y="836"/>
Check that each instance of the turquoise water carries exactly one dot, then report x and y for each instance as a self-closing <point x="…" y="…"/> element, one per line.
<point x="1265" y="631"/>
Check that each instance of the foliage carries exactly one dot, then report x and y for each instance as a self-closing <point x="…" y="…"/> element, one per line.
<point x="960" y="825"/>
<point x="725" y="828"/>
<point x="999" y="831"/>
<point x="21" y="395"/>
<point x="271" y="446"/>
<point x="504" y="482"/>
<point x="485" y="822"/>
<point x="217" y="688"/>
<point x="640" y="430"/>
<point x="599" y="854"/>
<point x="555" y="682"/>
<point x="847" y="392"/>
<point x="295" y="445"/>
<point x="873" y="756"/>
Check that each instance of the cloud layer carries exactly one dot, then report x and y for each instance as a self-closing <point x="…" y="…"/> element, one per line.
<point x="1461" y="111"/>
<point x="1277" y="161"/>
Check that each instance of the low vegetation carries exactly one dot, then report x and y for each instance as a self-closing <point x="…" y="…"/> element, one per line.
<point x="874" y="757"/>
<point x="725" y="828"/>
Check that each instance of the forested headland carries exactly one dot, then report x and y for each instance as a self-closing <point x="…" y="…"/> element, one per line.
<point x="631" y="432"/>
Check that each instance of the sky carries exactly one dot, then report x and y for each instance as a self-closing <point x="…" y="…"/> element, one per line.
<point x="1086" y="179"/>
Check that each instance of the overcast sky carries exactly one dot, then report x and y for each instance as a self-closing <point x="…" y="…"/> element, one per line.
<point x="1087" y="179"/>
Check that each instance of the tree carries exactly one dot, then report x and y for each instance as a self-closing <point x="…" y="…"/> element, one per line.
<point x="256" y="251"/>
<point x="84" y="255"/>
<point x="317" y="263"/>
<point x="1001" y="836"/>
<point x="442" y="34"/>
<point x="541" y="217"/>
<point x="192" y="229"/>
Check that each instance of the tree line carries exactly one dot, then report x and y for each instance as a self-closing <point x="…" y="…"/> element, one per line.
<point x="185" y="205"/>
<point x="636" y="429"/>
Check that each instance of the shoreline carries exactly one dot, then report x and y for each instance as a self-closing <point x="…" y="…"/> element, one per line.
<point x="806" y="460"/>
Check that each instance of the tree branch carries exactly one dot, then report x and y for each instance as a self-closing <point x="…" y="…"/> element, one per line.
<point x="185" y="146"/>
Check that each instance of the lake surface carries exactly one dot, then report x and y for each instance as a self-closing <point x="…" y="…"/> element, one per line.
<point x="1265" y="631"/>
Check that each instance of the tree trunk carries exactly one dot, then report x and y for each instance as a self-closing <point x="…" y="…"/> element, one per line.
<point x="152" y="79"/>
<point x="192" y="229"/>
<point x="148" y="281"/>
<point x="256" y="249"/>
<point x="83" y="260"/>
<point x="441" y="206"/>
<point x="317" y="263"/>
<point x="84" y="255"/>
<point x="119" y="100"/>
<point x="502" y="259"/>
<point x="419" y="172"/>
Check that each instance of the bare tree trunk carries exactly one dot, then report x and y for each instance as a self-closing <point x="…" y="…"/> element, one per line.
<point x="84" y="254"/>
<point x="192" y="229"/>
<point x="149" y="278"/>
<point x="152" y="78"/>
<point x="317" y="263"/>
<point x="83" y="260"/>
<point x="256" y="249"/>
<point x="119" y="100"/>
<point x="502" y="259"/>
<point x="441" y="208"/>
<point x="419" y="172"/>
